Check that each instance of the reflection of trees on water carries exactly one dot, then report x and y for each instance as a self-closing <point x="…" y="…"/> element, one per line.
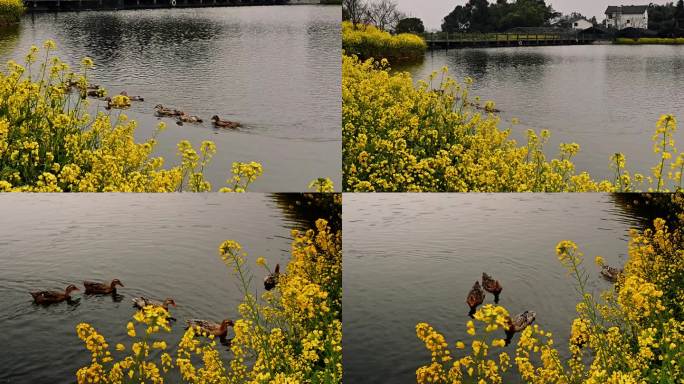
<point x="9" y="38"/>
<point x="648" y="206"/>
<point x="113" y="38"/>
<point x="309" y="207"/>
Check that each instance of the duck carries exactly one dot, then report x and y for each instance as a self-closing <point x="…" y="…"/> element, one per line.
<point x="224" y="123"/>
<point x="518" y="324"/>
<point x="95" y="92"/>
<point x="111" y="104"/>
<point x="132" y="98"/>
<point x="142" y="302"/>
<point x="185" y="118"/>
<point x="611" y="273"/>
<point x="271" y="280"/>
<point x="211" y="328"/>
<point x="161" y="110"/>
<point x="51" y="297"/>
<point x="475" y="297"/>
<point x="492" y="286"/>
<point x="92" y="288"/>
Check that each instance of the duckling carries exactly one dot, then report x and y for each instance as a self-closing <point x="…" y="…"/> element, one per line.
<point x="185" y="118"/>
<point x="141" y="302"/>
<point x="218" y="123"/>
<point x="99" y="92"/>
<point x="51" y="297"/>
<point x="611" y="273"/>
<point x="132" y="98"/>
<point x="111" y="104"/>
<point x="271" y="280"/>
<point x="92" y="288"/>
<point x="492" y="286"/>
<point x="211" y="328"/>
<point x="518" y="324"/>
<point x="476" y="297"/>
<point x="161" y="110"/>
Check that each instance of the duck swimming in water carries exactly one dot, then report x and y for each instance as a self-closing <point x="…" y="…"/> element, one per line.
<point x="93" y="288"/>
<point x="224" y="123"/>
<point x="271" y="280"/>
<point x="161" y="111"/>
<point x="211" y="328"/>
<point x="132" y="98"/>
<point x="611" y="273"/>
<point x="185" y="118"/>
<point x="51" y="297"/>
<point x="475" y="297"/>
<point x="142" y="302"/>
<point x="492" y="286"/>
<point x="518" y="324"/>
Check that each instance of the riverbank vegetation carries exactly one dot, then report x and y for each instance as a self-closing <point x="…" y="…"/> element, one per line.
<point x="291" y="334"/>
<point x="367" y="41"/>
<point x="50" y="143"/>
<point x="650" y="40"/>
<point x="11" y="11"/>
<point x="433" y="136"/>
<point x="632" y="333"/>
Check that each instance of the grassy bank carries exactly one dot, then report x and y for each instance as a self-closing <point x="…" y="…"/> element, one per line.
<point x="11" y="11"/>
<point x="633" y="333"/>
<point x="367" y="41"/>
<point x="649" y="40"/>
<point x="291" y="334"/>
<point x="432" y="136"/>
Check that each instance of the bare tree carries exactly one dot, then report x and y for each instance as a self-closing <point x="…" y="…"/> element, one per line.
<point x="354" y="10"/>
<point x="384" y="14"/>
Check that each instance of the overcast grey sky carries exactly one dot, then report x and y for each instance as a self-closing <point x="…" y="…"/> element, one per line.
<point x="433" y="11"/>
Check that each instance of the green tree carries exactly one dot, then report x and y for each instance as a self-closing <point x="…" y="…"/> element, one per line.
<point x="410" y="25"/>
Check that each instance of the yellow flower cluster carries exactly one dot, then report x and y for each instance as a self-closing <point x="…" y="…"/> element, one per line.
<point x="49" y="143"/>
<point x="11" y="11"/>
<point x="136" y="366"/>
<point x="295" y="334"/>
<point x="633" y="334"/>
<point x="367" y="41"/>
<point x="291" y="335"/>
<point x="402" y="137"/>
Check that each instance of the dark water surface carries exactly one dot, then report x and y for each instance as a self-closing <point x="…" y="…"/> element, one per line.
<point x="275" y="69"/>
<point x="414" y="258"/>
<point x="158" y="246"/>
<point x="606" y="98"/>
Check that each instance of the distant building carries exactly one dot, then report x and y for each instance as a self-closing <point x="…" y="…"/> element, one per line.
<point x="580" y="24"/>
<point x="627" y="16"/>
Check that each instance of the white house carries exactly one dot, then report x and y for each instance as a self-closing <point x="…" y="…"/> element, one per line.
<point x="627" y="16"/>
<point x="581" y="24"/>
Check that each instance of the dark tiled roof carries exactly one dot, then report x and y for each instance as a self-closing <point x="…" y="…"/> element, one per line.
<point x="627" y="9"/>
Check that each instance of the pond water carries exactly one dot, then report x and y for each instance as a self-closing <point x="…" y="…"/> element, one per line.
<point x="414" y="258"/>
<point x="606" y="98"/>
<point x="275" y="69"/>
<point x="157" y="246"/>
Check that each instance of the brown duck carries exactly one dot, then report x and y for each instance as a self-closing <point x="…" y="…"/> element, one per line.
<point x="211" y="328"/>
<point x="93" y="288"/>
<point x="161" y="110"/>
<point x="185" y="118"/>
<point x="50" y="297"/>
<point x="271" y="280"/>
<point x="475" y="297"/>
<point x="142" y="302"/>
<point x="611" y="273"/>
<point x="224" y="123"/>
<point x="518" y="324"/>
<point x="492" y="286"/>
<point x="132" y="98"/>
